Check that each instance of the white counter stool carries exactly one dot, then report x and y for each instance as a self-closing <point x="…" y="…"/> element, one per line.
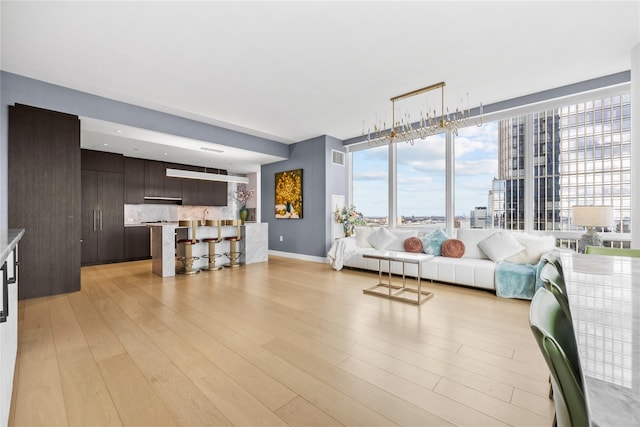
<point x="211" y="241"/>
<point x="234" y="254"/>
<point x="187" y="248"/>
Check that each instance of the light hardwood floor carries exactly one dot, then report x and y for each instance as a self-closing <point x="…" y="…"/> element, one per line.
<point x="286" y="342"/>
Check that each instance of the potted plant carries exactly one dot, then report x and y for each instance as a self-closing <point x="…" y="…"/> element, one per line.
<point x="349" y="218"/>
<point x="243" y="194"/>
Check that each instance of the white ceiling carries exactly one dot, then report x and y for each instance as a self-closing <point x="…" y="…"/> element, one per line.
<point x="290" y="71"/>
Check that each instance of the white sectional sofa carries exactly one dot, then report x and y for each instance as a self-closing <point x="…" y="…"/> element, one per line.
<point x="474" y="268"/>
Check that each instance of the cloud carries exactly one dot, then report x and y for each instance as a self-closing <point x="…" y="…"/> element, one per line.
<point x="370" y="176"/>
<point x="481" y="142"/>
<point x="477" y="167"/>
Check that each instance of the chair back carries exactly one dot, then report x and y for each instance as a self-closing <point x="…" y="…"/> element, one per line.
<point x="553" y="281"/>
<point x="554" y="334"/>
<point x="550" y="258"/>
<point x="599" y="250"/>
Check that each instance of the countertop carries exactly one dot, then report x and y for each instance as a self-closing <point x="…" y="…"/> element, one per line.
<point x="8" y="240"/>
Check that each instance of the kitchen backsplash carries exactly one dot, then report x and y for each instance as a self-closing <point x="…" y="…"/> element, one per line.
<point x="136" y="214"/>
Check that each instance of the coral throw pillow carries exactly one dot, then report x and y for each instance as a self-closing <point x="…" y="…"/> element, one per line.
<point x="453" y="248"/>
<point x="413" y="244"/>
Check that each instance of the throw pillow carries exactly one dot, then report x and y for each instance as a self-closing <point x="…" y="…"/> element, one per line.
<point x="381" y="239"/>
<point x="453" y="248"/>
<point x="413" y="244"/>
<point x="401" y="236"/>
<point x="471" y="237"/>
<point x="500" y="246"/>
<point x="362" y="236"/>
<point x="432" y="243"/>
<point x="535" y="246"/>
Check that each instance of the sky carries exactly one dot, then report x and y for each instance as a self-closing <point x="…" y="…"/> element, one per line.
<point x="421" y="174"/>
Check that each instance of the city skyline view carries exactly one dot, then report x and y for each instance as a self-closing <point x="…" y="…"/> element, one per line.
<point x="421" y="174"/>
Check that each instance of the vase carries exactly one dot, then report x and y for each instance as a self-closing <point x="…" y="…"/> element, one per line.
<point x="244" y="213"/>
<point x="349" y="230"/>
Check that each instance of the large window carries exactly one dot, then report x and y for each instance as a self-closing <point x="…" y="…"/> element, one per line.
<point x="476" y="167"/>
<point x="421" y="186"/>
<point x="370" y="169"/>
<point x="521" y="172"/>
<point x="595" y="158"/>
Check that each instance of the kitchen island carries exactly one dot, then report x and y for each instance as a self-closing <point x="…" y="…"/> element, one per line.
<point x="253" y="246"/>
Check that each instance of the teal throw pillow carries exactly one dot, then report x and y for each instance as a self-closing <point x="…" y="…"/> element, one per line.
<point x="432" y="243"/>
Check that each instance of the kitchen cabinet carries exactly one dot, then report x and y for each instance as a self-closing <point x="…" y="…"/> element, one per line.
<point x="133" y="180"/>
<point x="213" y="193"/>
<point x="101" y="161"/>
<point x="191" y="187"/>
<point x="154" y="174"/>
<point x="44" y="198"/>
<point x="102" y="217"/>
<point x="157" y="183"/>
<point x="172" y="186"/>
<point x="203" y="193"/>
<point x="137" y="243"/>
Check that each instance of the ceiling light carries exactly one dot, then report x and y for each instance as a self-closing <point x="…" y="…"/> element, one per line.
<point x="118" y="131"/>
<point x="179" y="173"/>
<point x="212" y="150"/>
<point x="428" y="124"/>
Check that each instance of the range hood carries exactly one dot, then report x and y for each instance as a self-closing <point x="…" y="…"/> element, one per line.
<point x="159" y="200"/>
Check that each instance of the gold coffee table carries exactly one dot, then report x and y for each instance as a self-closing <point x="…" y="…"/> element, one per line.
<point x="397" y="292"/>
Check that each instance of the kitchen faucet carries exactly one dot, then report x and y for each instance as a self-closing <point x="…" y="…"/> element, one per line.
<point x="204" y="215"/>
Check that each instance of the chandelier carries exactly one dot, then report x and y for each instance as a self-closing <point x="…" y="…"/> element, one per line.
<point x="429" y="123"/>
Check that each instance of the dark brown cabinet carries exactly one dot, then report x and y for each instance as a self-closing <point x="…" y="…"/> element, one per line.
<point x="212" y="193"/>
<point x="137" y="243"/>
<point x="191" y="187"/>
<point x="201" y="192"/>
<point x="102" y="217"/>
<point x="44" y="198"/>
<point x="133" y="180"/>
<point x="157" y="183"/>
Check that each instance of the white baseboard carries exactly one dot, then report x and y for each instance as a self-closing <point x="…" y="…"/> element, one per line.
<point x="302" y="257"/>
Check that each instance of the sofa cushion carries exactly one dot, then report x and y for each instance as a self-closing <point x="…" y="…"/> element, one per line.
<point x="362" y="236"/>
<point x="432" y="243"/>
<point x="401" y="236"/>
<point x="381" y="238"/>
<point x="413" y="244"/>
<point x="471" y="237"/>
<point x="453" y="248"/>
<point x="463" y="271"/>
<point x="500" y="245"/>
<point x="535" y="246"/>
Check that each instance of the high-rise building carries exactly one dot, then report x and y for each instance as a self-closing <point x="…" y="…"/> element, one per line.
<point x="478" y="217"/>
<point x="580" y="156"/>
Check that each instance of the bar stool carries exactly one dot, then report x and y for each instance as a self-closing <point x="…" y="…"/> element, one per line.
<point x="211" y="241"/>
<point x="187" y="244"/>
<point x="234" y="254"/>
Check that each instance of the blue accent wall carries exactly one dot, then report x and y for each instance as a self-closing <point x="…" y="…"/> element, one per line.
<point x="309" y="235"/>
<point x="23" y="90"/>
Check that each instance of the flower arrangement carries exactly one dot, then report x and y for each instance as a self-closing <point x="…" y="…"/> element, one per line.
<point x="243" y="193"/>
<point x="349" y="218"/>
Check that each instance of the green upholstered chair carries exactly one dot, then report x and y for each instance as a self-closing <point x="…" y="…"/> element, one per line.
<point x="599" y="250"/>
<point x="550" y="258"/>
<point x="554" y="334"/>
<point x="553" y="281"/>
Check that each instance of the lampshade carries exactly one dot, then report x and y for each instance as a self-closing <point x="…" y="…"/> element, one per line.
<point x="592" y="216"/>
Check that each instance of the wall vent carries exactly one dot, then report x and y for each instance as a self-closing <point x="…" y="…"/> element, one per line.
<point x="337" y="157"/>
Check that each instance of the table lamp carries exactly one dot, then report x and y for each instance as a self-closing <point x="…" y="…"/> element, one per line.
<point x="590" y="217"/>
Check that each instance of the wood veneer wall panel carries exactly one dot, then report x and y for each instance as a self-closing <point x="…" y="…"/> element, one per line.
<point x="44" y="198"/>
